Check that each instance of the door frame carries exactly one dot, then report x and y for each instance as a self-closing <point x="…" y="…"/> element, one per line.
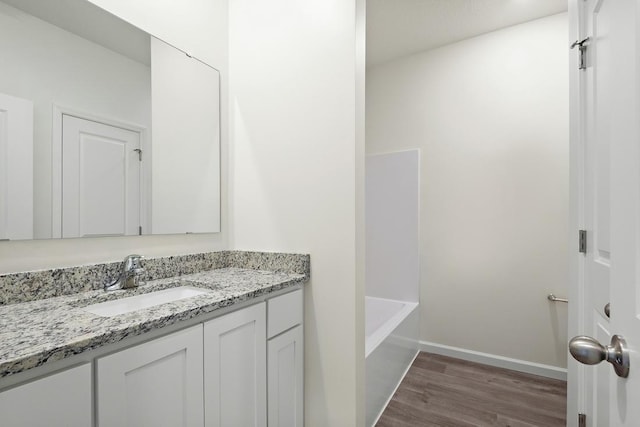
<point x="58" y="113"/>
<point x="576" y="396"/>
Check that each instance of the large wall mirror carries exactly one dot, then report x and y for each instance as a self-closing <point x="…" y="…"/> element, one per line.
<point x="104" y="129"/>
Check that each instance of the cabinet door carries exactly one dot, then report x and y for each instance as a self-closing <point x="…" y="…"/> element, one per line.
<point x="235" y="369"/>
<point x="285" y="370"/>
<point x="59" y="400"/>
<point x="154" y="384"/>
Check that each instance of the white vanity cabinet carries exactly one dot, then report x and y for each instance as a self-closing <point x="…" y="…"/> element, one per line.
<point x="59" y="400"/>
<point x="155" y="384"/>
<point x="240" y="369"/>
<point x="285" y="360"/>
<point x="235" y="383"/>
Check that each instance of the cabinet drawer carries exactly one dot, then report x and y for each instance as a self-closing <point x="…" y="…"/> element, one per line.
<point x="284" y="312"/>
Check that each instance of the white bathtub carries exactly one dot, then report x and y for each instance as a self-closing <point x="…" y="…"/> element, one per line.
<point x="391" y="330"/>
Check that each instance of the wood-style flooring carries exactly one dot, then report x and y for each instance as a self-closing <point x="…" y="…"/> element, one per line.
<point x="443" y="391"/>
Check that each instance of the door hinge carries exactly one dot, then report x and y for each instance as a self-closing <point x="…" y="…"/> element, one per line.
<point x="582" y="49"/>
<point x="140" y="231"/>
<point x="582" y="241"/>
<point x="139" y="151"/>
<point x="582" y="420"/>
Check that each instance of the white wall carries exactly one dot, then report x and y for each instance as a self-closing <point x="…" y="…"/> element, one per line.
<point x="16" y="168"/>
<point x="186" y="143"/>
<point x="52" y="66"/>
<point x="296" y="176"/>
<point x="491" y="117"/>
<point x="198" y="26"/>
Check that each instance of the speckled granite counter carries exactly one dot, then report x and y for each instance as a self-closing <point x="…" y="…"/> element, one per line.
<point x="37" y="332"/>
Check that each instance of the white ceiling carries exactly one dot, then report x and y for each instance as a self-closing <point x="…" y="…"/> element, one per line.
<point x="398" y="28"/>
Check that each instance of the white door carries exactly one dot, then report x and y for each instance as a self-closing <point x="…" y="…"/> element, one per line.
<point x="606" y="172"/>
<point x="16" y="168"/>
<point x="597" y="102"/>
<point x="155" y="384"/>
<point x="235" y="369"/>
<point x="100" y="179"/>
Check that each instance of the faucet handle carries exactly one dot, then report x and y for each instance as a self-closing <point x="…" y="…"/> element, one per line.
<point x="129" y="276"/>
<point x="132" y="261"/>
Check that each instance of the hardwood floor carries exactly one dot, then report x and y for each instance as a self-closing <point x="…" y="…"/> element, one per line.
<point x="442" y="391"/>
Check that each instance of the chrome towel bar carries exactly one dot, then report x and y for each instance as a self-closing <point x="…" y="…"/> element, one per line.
<point x="552" y="297"/>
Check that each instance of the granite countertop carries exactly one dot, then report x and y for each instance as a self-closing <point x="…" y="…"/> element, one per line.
<point x="37" y="332"/>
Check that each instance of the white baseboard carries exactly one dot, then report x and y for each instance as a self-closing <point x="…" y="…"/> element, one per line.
<point x="494" y="360"/>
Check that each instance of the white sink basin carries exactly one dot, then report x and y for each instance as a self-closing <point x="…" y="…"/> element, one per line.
<point x="139" y="302"/>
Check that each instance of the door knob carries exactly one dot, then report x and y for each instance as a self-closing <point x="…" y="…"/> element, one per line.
<point x="590" y="352"/>
<point x="607" y="310"/>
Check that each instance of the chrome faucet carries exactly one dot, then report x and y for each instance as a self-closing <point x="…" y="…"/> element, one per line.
<point x="129" y="276"/>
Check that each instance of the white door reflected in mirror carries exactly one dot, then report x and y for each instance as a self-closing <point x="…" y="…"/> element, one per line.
<point x="100" y="179"/>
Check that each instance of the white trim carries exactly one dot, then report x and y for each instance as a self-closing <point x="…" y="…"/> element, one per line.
<point x="56" y="165"/>
<point x="576" y="396"/>
<point x="56" y="172"/>
<point x="495" y="360"/>
<point x="386" y="153"/>
<point x="406" y="371"/>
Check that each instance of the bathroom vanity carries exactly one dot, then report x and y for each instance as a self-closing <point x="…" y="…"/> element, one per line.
<point x="231" y="355"/>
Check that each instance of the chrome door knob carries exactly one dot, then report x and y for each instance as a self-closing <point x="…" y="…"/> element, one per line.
<point x="589" y="351"/>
